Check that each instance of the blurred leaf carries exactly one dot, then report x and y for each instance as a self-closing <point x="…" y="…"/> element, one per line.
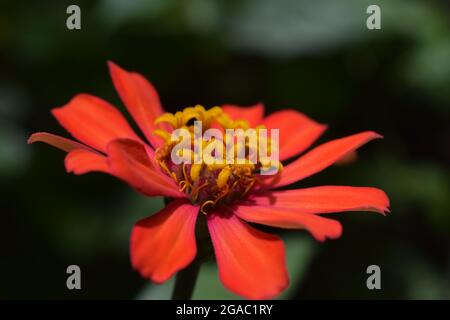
<point x="409" y="184"/>
<point x="14" y="154"/>
<point x="429" y="68"/>
<point x="115" y="12"/>
<point x="288" y="27"/>
<point x="157" y="292"/>
<point x="423" y="280"/>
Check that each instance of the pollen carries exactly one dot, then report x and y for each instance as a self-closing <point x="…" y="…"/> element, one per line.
<point x="214" y="170"/>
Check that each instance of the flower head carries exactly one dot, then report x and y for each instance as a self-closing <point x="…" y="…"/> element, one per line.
<point x="229" y="193"/>
<point x="210" y="177"/>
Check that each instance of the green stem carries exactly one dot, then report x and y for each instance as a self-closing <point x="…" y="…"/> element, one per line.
<point x="185" y="282"/>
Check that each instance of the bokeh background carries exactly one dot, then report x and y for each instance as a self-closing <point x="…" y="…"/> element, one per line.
<point x="316" y="56"/>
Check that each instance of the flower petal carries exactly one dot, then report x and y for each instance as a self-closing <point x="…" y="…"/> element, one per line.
<point x="321" y="228"/>
<point x="81" y="161"/>
<point x="251" y="262"/>
<point x="129" y="160"/>
<point x="297" y="131"/>
<point x="93" y="121"/>
<point x="322" y="157"/>
<point x="327" y="199"/>
<point x="80" y="158"/>
<point x="164" y="243"/>
<point x="140" y="98"/>
<point x="56" y="141"/>
<point x="253" y="114"/>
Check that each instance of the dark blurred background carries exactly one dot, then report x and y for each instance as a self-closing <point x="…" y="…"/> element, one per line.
<point x="316" y="56"/>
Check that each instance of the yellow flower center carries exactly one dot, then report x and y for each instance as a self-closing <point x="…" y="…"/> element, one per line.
<point x="215" y="169"/>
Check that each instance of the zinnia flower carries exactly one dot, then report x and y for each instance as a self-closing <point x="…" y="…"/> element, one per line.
<point x="251" y="262"/>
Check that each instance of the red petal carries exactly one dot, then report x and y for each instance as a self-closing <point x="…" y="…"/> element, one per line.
<point x="81" y="161"/>
<point x="322" y="157"/>
<point x="327" y="199"/>
<point x="253" y="114"/>
<point x="140" y="98"/>
<point x="93" y="121"/>
<point x="80" y="158"/>
<point x="56" y="141"/>
<point x="164" y="243"/>
<point x="251" y="262"/>
<point x="129" y="161"/>
<point x="297" y="131"/>
<point x="321" y="228"/>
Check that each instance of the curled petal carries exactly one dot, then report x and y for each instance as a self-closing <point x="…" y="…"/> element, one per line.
<point x="93" y="121"/>
<point x="56" y="141"/>
<point x="129" y="160"/>
<point x="252" y="114"/>
<point x="251" y="262"/>
<point x="322" y="157"/>
<point x="164" y="243"/>
<point x="140" y="98"/>
<point x="80" y="159"/>
<point x="297" y="131"/>
<point x="326" y="199"/>
<point x="321" y="228"/>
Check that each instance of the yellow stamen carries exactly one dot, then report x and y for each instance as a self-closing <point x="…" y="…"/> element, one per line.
<point x="195" y="171"/>
<point x="196" y="191"/>
<point x="214" y="181"/>
<point x="202" y="208"/>
<point x="162" y="133"/>
<point x="183" y="185"/>
<point x="223" y="177"/>
<point x="185" y="175"/>
<point x="168" y="118"/>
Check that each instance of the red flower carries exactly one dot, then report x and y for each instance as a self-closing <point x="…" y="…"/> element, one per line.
<point x="251" y="262"/>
